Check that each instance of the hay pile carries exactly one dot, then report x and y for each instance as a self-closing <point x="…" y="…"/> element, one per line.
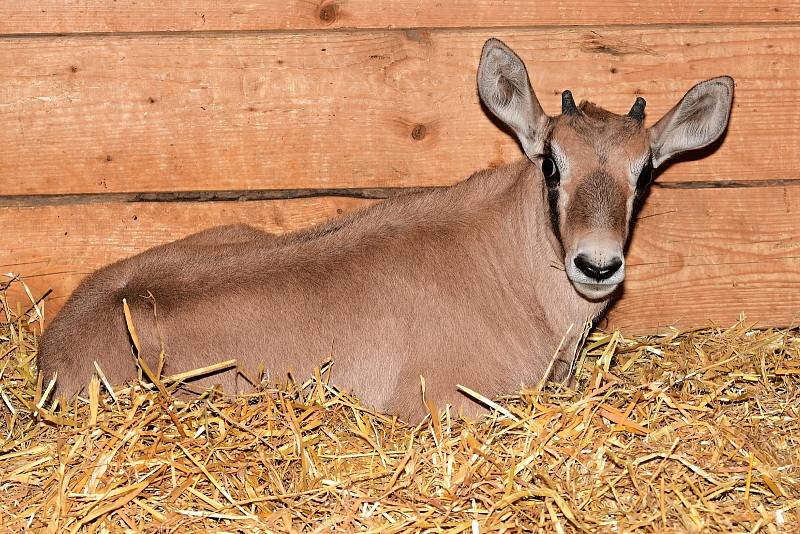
<point x="690" y="432"/>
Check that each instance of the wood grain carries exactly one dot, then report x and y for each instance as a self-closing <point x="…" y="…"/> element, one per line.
<point x="709" y="255"/>
<point x="114" y="113"/>
<point x="697" y="255"/>
<point x="56" y="16"/>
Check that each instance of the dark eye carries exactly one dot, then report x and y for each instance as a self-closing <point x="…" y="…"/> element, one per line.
<point x="550" y="170"/>
<point x="645" y="177"/>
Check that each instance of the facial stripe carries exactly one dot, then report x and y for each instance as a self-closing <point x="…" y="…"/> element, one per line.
<point x="645" y="176"/>
<point x="554" y="194"/>
<point x="642" y="186"/>
<point x="555" y="217"/>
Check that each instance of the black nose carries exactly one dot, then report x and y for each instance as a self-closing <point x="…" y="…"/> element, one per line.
<point x="597" y="272"/>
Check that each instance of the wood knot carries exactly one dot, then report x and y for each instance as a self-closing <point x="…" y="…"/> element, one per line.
<point x="418" y="36"/>
<point x="419" y="132"/>
<point x="328" y="13"/>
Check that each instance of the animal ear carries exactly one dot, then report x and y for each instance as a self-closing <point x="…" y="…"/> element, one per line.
<point x="505" y="89"/>
<point x="696" y="121"/>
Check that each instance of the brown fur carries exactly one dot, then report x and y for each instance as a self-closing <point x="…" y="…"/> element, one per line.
<point x="456" y="285"/>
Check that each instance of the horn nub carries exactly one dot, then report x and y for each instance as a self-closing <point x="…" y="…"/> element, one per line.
<point x="568" y="106"/>
<point x="637" y="110"/>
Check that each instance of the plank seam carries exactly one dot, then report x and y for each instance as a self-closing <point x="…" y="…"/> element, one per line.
<point x="728" y="184"/>
<point x="376" y="29"/>
<point x="367" y="193"/>
<point x="243" y="195"/>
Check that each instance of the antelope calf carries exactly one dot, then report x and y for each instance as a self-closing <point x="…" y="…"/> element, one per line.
<point x="457" y="285"/>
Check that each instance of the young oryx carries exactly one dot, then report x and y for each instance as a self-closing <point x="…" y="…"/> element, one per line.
<point x="460" y="285"/>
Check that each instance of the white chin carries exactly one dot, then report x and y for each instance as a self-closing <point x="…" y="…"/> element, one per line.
<point x="595" y="291"/>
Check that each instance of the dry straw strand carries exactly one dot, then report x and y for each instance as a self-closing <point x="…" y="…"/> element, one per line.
<point x="683" y="431"/>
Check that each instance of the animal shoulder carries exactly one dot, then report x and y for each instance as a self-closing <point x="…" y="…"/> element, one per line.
<point x="434" y="213"/>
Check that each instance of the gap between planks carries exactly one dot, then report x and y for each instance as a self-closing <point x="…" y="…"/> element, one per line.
<point x="382" y="29"/>
<point x="234" y="195"/>
<point x="374" y="193"/>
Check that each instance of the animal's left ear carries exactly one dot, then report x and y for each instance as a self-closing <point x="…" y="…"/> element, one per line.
<point x="696" y="121"/>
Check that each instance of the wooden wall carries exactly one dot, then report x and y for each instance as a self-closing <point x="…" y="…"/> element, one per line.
<point x="131" y="123"/>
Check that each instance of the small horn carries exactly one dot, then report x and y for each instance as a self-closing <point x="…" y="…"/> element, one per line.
<point x="568" y="106"/>
<point x="637" y="110"/>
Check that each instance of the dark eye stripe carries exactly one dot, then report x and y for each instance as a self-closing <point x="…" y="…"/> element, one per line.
<point x="555" y="218"/>
<point x="645" y="176"/>
<point x="642" y="184"/>
<point x="552" y="178"/>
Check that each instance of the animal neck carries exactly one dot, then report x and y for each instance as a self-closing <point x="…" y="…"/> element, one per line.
<point x="540" y="255"/>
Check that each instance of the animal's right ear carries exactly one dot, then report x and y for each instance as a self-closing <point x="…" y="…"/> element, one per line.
<point x="505" y="89"/>
<point x="696" y="121"/>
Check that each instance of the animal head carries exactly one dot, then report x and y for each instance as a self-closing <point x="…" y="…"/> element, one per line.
<point x="594" y="165"/>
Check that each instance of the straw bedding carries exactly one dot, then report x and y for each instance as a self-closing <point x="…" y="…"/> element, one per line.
<point x="693" y="431"/>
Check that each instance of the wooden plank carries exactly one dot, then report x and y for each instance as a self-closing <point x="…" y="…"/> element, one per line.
<point x="356" y="109"/>
<point x="710" y="255"/>
<point x="697" y="255"/>
<point x="56" y="16"/>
